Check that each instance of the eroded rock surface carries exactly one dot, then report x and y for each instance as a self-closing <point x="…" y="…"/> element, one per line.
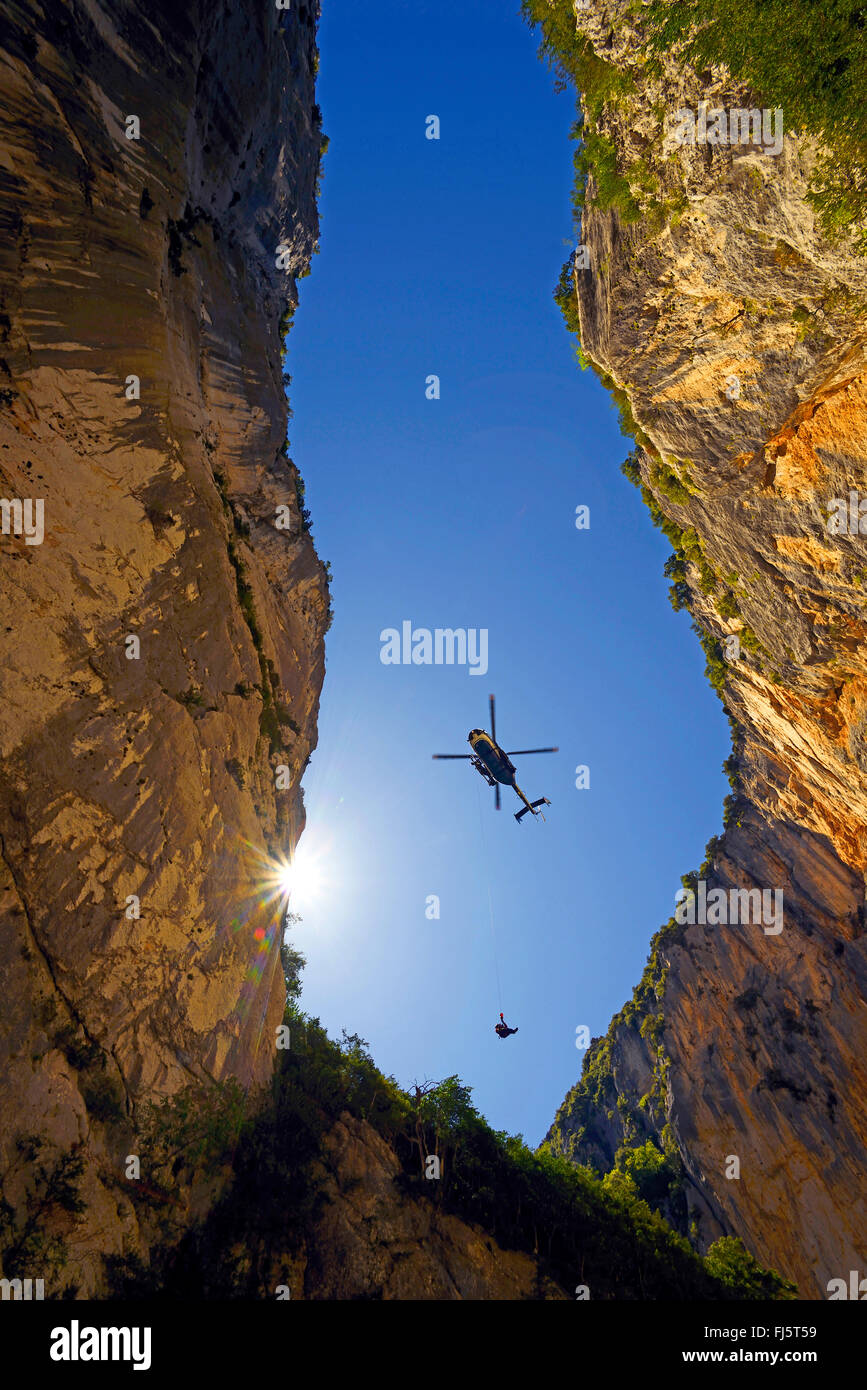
<point x="149" y="770"/>
<point x="741" y="1041"/>
<point x="373" y="1242"/>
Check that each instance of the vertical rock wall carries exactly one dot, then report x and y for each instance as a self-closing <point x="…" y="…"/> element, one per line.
<point x="743" y="1041"/>
<point x="153" y="774"/>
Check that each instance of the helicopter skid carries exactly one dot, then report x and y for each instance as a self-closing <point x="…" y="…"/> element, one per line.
<point x="543" y="801"/>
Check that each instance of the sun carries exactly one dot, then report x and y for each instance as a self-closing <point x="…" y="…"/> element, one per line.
<point x="298" y="880"/>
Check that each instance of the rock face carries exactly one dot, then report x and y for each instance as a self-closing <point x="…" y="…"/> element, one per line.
<point x="735" y="332"/>
<point x="163" y="640"/>
<point x="372" y="1242"/>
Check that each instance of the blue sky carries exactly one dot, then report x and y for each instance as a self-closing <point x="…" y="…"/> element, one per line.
<point x="441" y="257"/>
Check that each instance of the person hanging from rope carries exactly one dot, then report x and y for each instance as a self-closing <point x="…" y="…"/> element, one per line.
<point x="502" y="1029"/>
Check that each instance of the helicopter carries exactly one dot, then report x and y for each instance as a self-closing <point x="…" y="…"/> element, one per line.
<point x="495" y="765"/>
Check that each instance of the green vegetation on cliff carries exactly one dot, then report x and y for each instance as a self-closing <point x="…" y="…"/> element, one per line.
<point x="688" y="551"/>
<point x="581" y="1229"/>
<point x="580" y="1131"/>
<point x="808" y="59"/>
<point x="32" y="1229"/>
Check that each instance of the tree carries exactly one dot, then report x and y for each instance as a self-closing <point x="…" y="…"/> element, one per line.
<point x="729" y="1262"/>
<point x="448" y="1111"/>
<point x="293" y="960"/>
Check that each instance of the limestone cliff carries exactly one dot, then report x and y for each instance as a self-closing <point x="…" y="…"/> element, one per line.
<point x="156" y="162"/>
<point x="370" y="1241"/>
<point x="733" y="332"/>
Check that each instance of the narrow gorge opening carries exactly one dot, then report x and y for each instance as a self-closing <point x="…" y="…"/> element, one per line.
<point x="392" y="221"/>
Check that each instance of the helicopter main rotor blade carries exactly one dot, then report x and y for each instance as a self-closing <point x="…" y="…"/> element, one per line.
<point x="493" y="719"/>
<point x="497" y="797"/>
<point x="520" y="752"/>
<point x="462" y="757"/>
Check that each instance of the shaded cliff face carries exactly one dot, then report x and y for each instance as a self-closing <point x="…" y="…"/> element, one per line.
<point x="145" y="771"/>
<point x="372" y="1242"/>
<point x="736" y="333"/>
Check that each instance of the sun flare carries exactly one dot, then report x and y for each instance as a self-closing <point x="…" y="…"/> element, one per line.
<point x="297" y="881"/>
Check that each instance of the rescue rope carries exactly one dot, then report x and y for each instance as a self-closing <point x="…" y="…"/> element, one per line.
<point x="490" y="901"/>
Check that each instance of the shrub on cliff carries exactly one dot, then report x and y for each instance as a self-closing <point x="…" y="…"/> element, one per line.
<point x="197" y="1127"/>
<point x="103" y="1098"/>
<point x="656" y="1175"/>
<point x="809" y="59"/>
<point x="572" y="57"/>
<point x="733" y="1266"/>
<point x="30" y="1231"/>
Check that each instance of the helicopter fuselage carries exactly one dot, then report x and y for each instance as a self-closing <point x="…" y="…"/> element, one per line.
<point x="491" y="755"/>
